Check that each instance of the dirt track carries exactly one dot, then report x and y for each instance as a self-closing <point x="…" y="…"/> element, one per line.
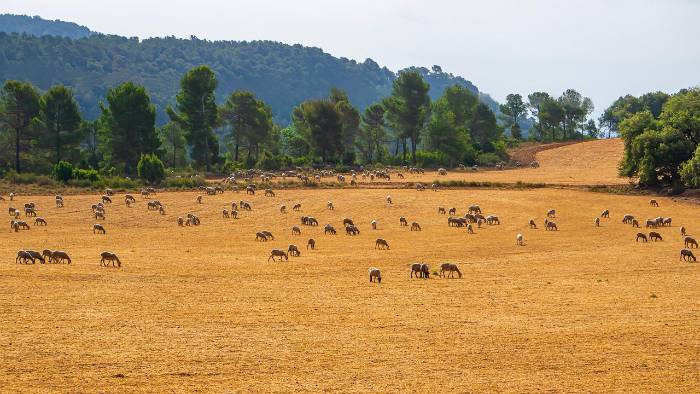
<point x="581" y="309"/>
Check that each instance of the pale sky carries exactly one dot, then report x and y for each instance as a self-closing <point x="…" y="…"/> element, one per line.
<point x="602" y="48"/>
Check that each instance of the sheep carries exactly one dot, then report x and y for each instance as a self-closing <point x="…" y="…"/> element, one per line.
<point x="283" y="209"/>
<point x="381" y="244"/>
<point x="329" y="229"/>
<point x="667" y="222"/>
<point x="296" y="207"/>
<point x="551" y="213"/>
<point x="520" y="240"/>
<point x="597" y="222"/>
<point x="388" y="200"/>
<point x="352" y="230"/>
<point x="250" y="189"/>
<point x="268" y="235"/>
<point x="329" y="205"/>
<point x="259" y="236"/>
<point x="420" y="187"/>
<point x="654" y="236"/>
<point x="19" y="224"/>
<point x="453" y="211"/>
<point x="683" y="231"/>
<point x="690" y="242"/>
<point x="492" y="219"/>
<point x="145" y="194"/>
<point x="441" y="210"/>
<point x="425" y="270"/>
<point x="106" y="257"/>
<point x="99" y="215"/>
<point x="687" y="255"/>
<point x="293" y="251"/>
<point x="635" y="223"/>
<point x="653" y="203"/>
<point x="415" y="226"/>
<point x="98" y="228"/>
<point x="641" y="236"/>
<point x="225" y="214"/>
<point x="37" y="256"/>
<point x="451" y="268"/>
<point x="278" y="253"/>
<point x="311" y="244"/>
<point x="442" y="171"/>
<point x="605" y="214"/>
<point x="199" y="199"/>
<point x="234" y="206"/>
<point x="532" y="224"/>
<point x="24" y="257"/>
<point x="417" y="269"/>
<point x="312" y="221"/>
<point x="180" y="222"/>
<point x="551" y="226"/>
<point x="192" y="220"/>
<point x="106" y="200"/>
<point x="348" y="222"/>
<point x="627" y="219"/>
<point x="403" y="221"/>
<point x="40" y="222"/>
<point x="59" y="202"/>
<point x="474" y="209"/>
<point x="651" y="223"/>
<point x="28" y="211"/>
<point x="128" y="198"/>
<point x="375" y="274"/>
<point x="470" y="228"/>
<point x="153" y="205"/>
<point x="374" y="224"/>
<point x="11" y="211"/>
<point x="234" y="214"/>
<point x="659" y="221"/>
<point x="59" y="256"/>
<point x="269" y="193"/>
<point x="161" y="210"/>
<point x="399" y="175"/>
<point x="12" y="196"/>
<point x="245" y="206"/>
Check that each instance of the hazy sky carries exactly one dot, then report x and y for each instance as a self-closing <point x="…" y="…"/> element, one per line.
<point x="603" y="48"/>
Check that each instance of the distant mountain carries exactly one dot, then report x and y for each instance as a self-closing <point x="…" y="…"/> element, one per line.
<point x="41" y="27"/>
<point x="283" y="75"/>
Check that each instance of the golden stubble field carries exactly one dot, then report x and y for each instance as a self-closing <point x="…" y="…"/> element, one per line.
<point x="581" y="309"/>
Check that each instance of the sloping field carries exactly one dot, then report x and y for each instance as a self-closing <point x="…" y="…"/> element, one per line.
<point x="584" y="163"/>
<point x="200" y="308"/>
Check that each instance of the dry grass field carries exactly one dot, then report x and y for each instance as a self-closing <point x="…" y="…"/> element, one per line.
<point x="201" y="308"/>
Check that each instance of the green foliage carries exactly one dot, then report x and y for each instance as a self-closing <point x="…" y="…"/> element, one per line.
<point x="484" y="128"/>
<point x="690" y="170"/>
<point x="321" y="124"/>
<point x="372" y="134"/>
<point x="151" y="169"/>
<point x="184" y="182"/>
<point x="487" y="158"/>
<point x="63" y="171"/>
<point x="59" y="121"/>
<point x="19" y="102"/>
<point x="86" y="174"/>
<point x="249" y="121"/>
<point x="513" y="109"/>
<point x="174" y="145"/>
<point x="659" y="155"/>
<point x="408" y="107"/>
<point x="40" y="27"/>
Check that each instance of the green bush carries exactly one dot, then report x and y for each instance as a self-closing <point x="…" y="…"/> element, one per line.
<point x="82" y="174"/>
<point x="426" y="159"/>
<point x="20" y="179"/>
<point x="184" y="182"/>
<point x="119" y="183"/>
<point x="151" y="169"/>
<point x="63" y="171"/>
<point x="690" y="170"/>
<point x="487" y="158"/>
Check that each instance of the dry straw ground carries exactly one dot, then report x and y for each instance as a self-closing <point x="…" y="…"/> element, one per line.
<point x="581" y="309"/>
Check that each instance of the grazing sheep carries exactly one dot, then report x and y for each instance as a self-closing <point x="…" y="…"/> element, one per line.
<point x="451" y="268"/>
<point x="420" y="187"/>
<point x="654" y="236"/>
<point x="425" y="270"/>
<point x="106" y="257"/>
<point x="225" y="214"/>
<point x="442" y="171"/>
<point x="24" y="257"/>
<point x="453" y="211"/>
<point x="641" y="236"/>
<point x="296" y="207"/>
<point x="348" y="222"/>
<point x="250" y="189"/>
<point x="653" y="203"/>
<point x="388" y="200"/>
<point x="374" y="224"/>
<point x="381" y="244"/>
<point x="28" y="211"/>
<point x="403" y="221"/>
<point x="683" y="231"/>
<point x="651" y="223"/>
<point x="635" y="223"/>
<point x="597" y="222"/>
<point x="352" y="230"/>
<point x="278" y="253"/>
<point x="99" y="215"/>
<point x="492" y="219"/>
<point x="667" y="222"/>
<point x="441" y="210"/>
<point x="180" y="221"/>
<point x="40" y="222"/>
<point x="687" y="255"/>
<point x="532" y="223"/>
<point x="551" y="213"/>
<point x="330" y="206"/>
<point x="690" y="242"/>
<point x="293" y="251"/>
<point x="106" y="200"/>
<point x="269" y="193"/>
<point x="161" y="210"/>
<point x="520" y="240"/>
<point x="12" y="196"/>
<point x="474" y="209"/>
<point x="311" y="244"/>
<point x="259" y="236"/>
<point x="283" y="209"/>
<point x="470" y="228"/>
<point x="234" y="214"/>
<point x="199" y="199"/>
<point x="415" y="226"/>
<point x="375" y="274"/>
<point x="627" y="219"/>
<point x="312" y="221"/>
<point x="59" y="256"/>
<point x="268" y="234"/>
<point x="329" y="229"/>
<point x="37" y="256"/>
<point x="19" y="224"/>
<point x="128" y="198"/>
<point x="296" y="230"/>
<point x="234" y="206"/>
<point x="245" y="206"/>
<point x="153" y="205"/>
<point x="145" y="193"/>
<point x="59" y="203"/>
<point x="417" y="269"/>
<point x="605" y="214"/>
<point x="551" y="226"/>
<point x="98" y="228"/>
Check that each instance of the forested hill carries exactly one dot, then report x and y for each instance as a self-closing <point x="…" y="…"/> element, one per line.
<point x="41" y="27"/>
<point x="282" y="75"/>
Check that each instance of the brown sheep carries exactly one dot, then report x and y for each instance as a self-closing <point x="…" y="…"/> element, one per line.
<point x="352" y="230"/>
<point x="597" y="222"/>
<point x="161" y="210"/>
<point x="635" y="223"/>
<point x="551" y="226"/>
<point x="690" y="242"/>
<point x="374" y="224"/>
<point x="311" y="244"/>
<point x="605" y="214"/>
<point x="627" y="219"/>
<point x="98" y="228"/>
<point x="225" y="214"/>
<point x="106" y="257"/>
<point x="199" y="199"/>
<point x="269" y="193"/>
<point x="641" y="236"/>
<point x="283" y="209"/>
<point x="24" y="257"/>
<point x="329" y="229"/>
<point x="470" y="228"/>
<point x="40" y="222"/>
<point x="687" y="255"/>
<point x="278" y="253"/>
<point x="683" y="231"/>
<point x="259" y="236"/>
<point x="451" y="268"/>
<point x="329" y="205"/>
<point x="375" y="274"/>
<point x="37" y="256"/>
<point x="532" y="223"/>
<point x="415" y="226"/>
<point x="381" y="244"/>
<point x="296" y="230"/>
<point x="551" y="213"/>
<point x="59" y="256"/>
<point x="296" y="207"/>
<point x="651" y="223"/>
<point x="348" y="222"/>
<point x="441" y="210"/>
<point x="293" y="251"/>
<point x="453" y="211"/>
<point x="654" y="236"/>
<point x="180" y="221"/>
<point x="420" y="270"/>
<point x="403" y="221"/>
<point x="106" y="200"/>
<point x="474" y="209"/>
<point x="99" y="215"/>
<point x="653" y="203"/>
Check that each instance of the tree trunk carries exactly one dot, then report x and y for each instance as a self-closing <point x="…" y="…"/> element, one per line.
<point x="17" y="168"/>
<point x="413" y="148"/>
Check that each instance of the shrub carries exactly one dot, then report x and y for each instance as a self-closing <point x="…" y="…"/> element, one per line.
<point x="185" y="182"/>
<point x="690" y="170"/>
<point x="487" y="158"/>
<point x="20" y="179"/>
<point x="63" y="171"/>
<point x="151" y="169"/>
<point x="90" y="175"/>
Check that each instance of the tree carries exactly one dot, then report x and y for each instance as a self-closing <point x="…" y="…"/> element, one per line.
<point x="19" y="102"/>
<point x="151" y="169"/>
<point x="372" y="132"/>
<point x="690" y="170"/>
<point x="128" y="125"/>
<point x="630" y="129"/>
<point x="321" y="123"/>
<point x="197" y="113"/>
<point x="350" y="118"/>
<point x="575" y="109"/>
<point x="409" y="107"/>
<point x="174" y="143"/>
<point x="240" y="113"/>
<point x="445" y="135"/>
<point x="483" y="127"/>
<point x="513" y="109"/>
<point x="60" y="122"/>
